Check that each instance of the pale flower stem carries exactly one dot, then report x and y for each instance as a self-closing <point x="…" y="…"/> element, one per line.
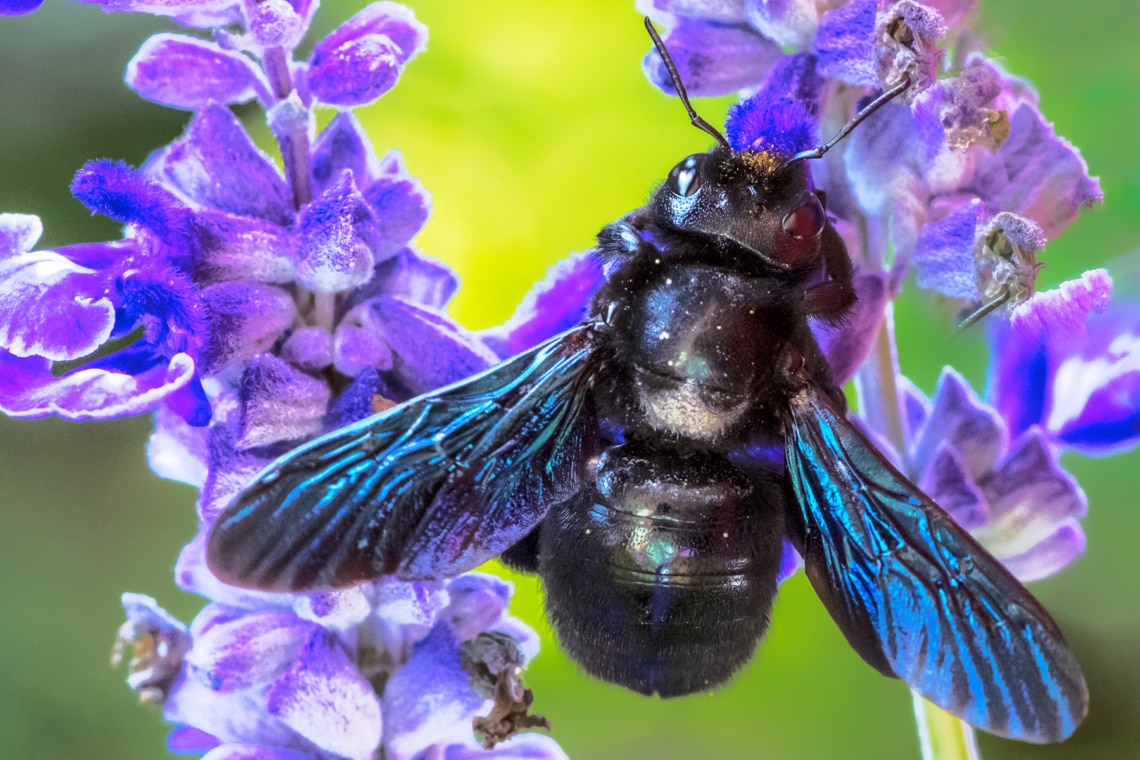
<point x="942" y="736"/>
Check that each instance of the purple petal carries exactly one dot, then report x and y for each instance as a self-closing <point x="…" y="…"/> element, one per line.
<point x="400" y="204"/>
<point x="916" y="408"/>
<point x="790" y="562"/>
<point x="52" y="307"/>
<point x="233" y="717"/>
<point x="1049" y="555"/>
<point x="324" y="699"/>
<point x="555" y="304"/>
<point x="254" y="752"/>
<point x="338" y="610"/>
<point x="343" y="146"/>
<point x="176" y="450"/>
<point x="712" y="58"/>
<point x="1045" y="178"/>
<point x="845" y="43"/>
<point x="1096" y="392"/>
<point x="356" y="349"/>
<point x="960" y="421"/>
<point x="252" y="650"/>
<point x="946" y="481"/>
<point x="519" y="747"/>
<point x="412" y="276"/>
<point x="846" y="345"/>
<point x="29" y="389"/>
<point x="781" y="117"/>
<point x="227" y="247"/>
<point x="724" y="11"/>
<point x="430" y="698"/>
<point x="944" y="254"/>
<point x="216" y="164"/>
<point x="359" y="399"/>
<point x="790" y="23"/>
<point x="185" y="72"/>
<point x="477" y="604"/>
<point x="362" y="59"/>
<point x="230" y="469"/>
<point x="187" y="740"/>
<point x="1030" y="496"/>
<point x="336" y="232"/>
<point x="19" y="233"/>
<point x="310" y="348"/>
<point x="885" y="159"/>
<point x="126" y="195"/>
<point x="204" y="14"/>
<point x="279" y="403"/>
<point x="1018" y="379"/>
<point x="245" y="318"/>
<point x="18" y="7"/>
<point x="275" y="23"/>
<point x="431" y="349"/>
<point x="1061" y="313"/>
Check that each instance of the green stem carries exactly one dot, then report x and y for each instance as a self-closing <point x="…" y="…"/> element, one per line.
<point x="941" y="735"/>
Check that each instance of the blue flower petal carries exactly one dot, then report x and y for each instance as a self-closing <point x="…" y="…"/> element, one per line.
<point x="245" y="318"/>
<point x="226" y="247"/>
<point x="324" y="699"/>
<point x="401" y="205"/>
<point x="29" y="389"/>
<point x="432" y="350"/>
<point x="1061" y="313"/>
<point x="959" y="420"/>
<point x="337" y="232"/>
<point x="944" y="254"/>
<point x="177" y="450"/>
<point x="248" y="651"/>
<point x="185" y="72"/>
<point x="519" y="747"/>
<point x="946" y="481"/>
<point x="53" y="308"/>
<point x="19" y="233"/>
<point x="356" y="402"/>
<point x="18" y="7"/>
<point x="790" y="23"/>
<point x="216" y="164"/>
<point x="555" y="304"/>
<point x="363" y="58"/>
<point x="343" y="146"/>
<point x="477" y="603"/>
<point x="279" y="403"/>
<point x="430" y="698"/>
<point x="712" y="58"/>
<point x="845" y="43"/>
<point x="187" y="740"/>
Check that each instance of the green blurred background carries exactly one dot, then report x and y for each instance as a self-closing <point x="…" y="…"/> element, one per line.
<point x="532" y="125"/>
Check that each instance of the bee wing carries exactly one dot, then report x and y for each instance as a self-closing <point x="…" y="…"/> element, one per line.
<point x="427" y="489"/>
<point x="915" y="595"/>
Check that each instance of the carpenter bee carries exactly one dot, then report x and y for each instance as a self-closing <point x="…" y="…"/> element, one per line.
<point x="629" y="462"/>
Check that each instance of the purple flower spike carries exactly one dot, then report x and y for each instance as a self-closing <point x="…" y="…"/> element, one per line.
<point x="186" y="72"/>
<point x="18" y="7"/>
<point x="712" y="58"/>
<point x="362" y="59"/>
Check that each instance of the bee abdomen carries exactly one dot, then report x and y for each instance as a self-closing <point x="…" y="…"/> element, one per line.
<point x="661" y="578"/>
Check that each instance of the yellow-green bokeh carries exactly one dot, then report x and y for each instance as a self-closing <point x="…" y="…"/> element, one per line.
<point x="532" y="125"/>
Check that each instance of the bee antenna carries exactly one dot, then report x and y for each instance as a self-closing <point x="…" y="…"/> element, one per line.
<point x="698" y="122"/>
<point x="856" y="120"/>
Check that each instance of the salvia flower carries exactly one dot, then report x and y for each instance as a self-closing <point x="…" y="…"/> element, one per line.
<point x="250" y="310"/>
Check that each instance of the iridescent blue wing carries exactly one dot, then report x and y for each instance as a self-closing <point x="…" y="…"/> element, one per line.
<point x="915" y="595"/>
<point x="427" y="489"/>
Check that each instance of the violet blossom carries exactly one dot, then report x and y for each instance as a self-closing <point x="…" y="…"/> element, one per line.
<point x="250" y="311"/>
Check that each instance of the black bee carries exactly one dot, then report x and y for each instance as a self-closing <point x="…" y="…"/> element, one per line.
<point x="629" y="462"/>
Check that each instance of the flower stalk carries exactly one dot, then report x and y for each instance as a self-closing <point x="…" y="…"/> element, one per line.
<point x="941" y="736"/>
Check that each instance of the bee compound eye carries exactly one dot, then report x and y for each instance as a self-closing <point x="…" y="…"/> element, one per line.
<point x="807" y="221"/>
<point x="685" y="179"/>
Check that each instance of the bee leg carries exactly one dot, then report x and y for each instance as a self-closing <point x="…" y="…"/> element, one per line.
<point x="832" y="298"/>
